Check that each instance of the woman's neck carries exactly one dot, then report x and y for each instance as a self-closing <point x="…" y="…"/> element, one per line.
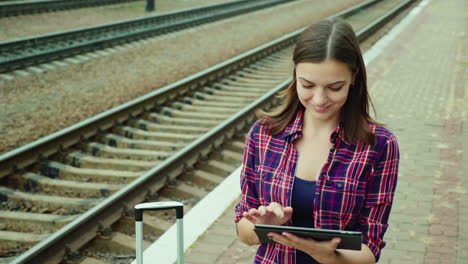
<point x="313" y="127"/>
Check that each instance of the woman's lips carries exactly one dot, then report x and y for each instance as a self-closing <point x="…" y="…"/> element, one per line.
<point x="321" y="109"/>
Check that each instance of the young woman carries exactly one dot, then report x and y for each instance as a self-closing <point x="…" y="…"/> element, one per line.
<point x="319" y="160"/>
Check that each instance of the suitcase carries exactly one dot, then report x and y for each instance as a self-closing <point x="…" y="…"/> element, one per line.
<point x="156" y="206"/>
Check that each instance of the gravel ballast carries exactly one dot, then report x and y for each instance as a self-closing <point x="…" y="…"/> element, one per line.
<point x="35" y="106"/>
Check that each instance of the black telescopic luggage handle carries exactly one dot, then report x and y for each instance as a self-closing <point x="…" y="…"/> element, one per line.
<point x="156" y="206"/>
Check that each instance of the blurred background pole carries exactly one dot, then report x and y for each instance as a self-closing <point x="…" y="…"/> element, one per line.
<point x="150" y="5"/>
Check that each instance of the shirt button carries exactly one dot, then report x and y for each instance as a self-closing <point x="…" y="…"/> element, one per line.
<point x="339" y="185"/>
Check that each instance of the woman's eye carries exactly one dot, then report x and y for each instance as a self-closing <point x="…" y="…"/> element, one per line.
<point x="336" y="89"/>
<point x="308" y="86"/>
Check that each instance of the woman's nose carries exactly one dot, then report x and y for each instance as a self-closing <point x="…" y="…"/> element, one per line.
<point x="320" y="97"/>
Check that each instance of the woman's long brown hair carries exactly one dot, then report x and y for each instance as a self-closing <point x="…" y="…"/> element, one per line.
<point x="329" y="39"/>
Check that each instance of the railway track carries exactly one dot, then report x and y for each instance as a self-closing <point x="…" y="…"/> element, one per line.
<point x="68" y="197"/>
<point x="22" y="53"/>
<point x="16" y="8"/>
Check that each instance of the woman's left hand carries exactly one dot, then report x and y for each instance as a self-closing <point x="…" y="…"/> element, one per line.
<point x="322" y="251"/>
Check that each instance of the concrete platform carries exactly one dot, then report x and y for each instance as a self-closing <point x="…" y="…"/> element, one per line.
<point x="418" y="78"/>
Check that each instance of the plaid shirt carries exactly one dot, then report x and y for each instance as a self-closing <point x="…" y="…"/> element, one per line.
<point x="354" y="190"/>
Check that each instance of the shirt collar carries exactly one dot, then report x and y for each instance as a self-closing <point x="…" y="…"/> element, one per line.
<point x="338" y="133"/>
<point x="295" y="127"/>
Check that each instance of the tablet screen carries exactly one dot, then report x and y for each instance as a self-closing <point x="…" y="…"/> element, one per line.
<point x="349" y="239"/>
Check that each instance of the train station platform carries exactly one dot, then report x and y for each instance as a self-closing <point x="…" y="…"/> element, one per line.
<point x="418" y="80"/>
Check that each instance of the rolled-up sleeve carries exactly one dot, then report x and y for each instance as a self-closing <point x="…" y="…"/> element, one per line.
<point x="248" y="178"/>
<point x="373" y="221"/>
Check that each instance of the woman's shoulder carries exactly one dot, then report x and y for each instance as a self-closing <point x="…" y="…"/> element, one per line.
<point x="258" y="127"/>
<point x="382" y="134"/>
<point x="386" y="147"/>
<point x="261" y="131"/>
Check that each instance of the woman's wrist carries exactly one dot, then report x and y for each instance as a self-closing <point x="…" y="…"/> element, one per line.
<point x="253" y="239"/>
<point x="246" y="233"/>
<point x="338" y="257"/>
<point x="334" y="258"/>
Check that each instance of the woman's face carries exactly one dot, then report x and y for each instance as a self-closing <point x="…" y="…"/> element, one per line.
<point x="323" y="87"/>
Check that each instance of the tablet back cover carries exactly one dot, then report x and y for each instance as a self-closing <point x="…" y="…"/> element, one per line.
<point x="353" y="242"/>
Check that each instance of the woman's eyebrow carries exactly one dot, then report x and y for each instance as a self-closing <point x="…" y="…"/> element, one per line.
<point x="304" y="79"/>
<point x="337" y="82"/>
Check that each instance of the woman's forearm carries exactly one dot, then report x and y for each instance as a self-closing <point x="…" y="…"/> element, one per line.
<point x="364" y="256"/>
<point x="245" y="230"/>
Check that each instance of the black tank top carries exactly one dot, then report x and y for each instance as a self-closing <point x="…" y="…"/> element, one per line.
<point x="303" y="193"/>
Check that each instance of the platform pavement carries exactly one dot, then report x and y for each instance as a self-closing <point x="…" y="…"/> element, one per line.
<point x="420" y="90"/>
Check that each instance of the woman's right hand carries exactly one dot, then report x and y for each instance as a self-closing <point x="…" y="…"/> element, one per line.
<point x="273" y="214"/>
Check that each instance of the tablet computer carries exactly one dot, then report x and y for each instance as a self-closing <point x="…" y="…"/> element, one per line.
<point x="349" y="239"/>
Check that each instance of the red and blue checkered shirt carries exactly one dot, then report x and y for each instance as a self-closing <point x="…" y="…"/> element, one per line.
<point x="354" y="190"/>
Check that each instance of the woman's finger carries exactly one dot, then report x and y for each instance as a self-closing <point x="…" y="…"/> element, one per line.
<point x="336" y="240"/>
<point x="281" y="239"/>
<point x="272" y="206"/>
<point x="294" y="241"/>
<point x="248" y="216"/>
<point x="253" y="212"/>
<point x="252" y="218"/>
<point x="292" y="238"/>
<point x="262" y="210"/>
<point x="288" y="210"/>
<point x="277" y="209"/>
<point x="279" y="212"/>
<point x="332" y="243"/>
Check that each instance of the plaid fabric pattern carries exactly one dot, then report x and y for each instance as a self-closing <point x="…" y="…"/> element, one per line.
<point x="354" y="191"/>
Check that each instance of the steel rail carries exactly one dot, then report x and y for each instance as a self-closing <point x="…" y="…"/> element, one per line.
<point x="114" y="205"/>
<point x="15" y="8"/>
<point x="17" y="54"/>
<point x="370" y="29"/>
